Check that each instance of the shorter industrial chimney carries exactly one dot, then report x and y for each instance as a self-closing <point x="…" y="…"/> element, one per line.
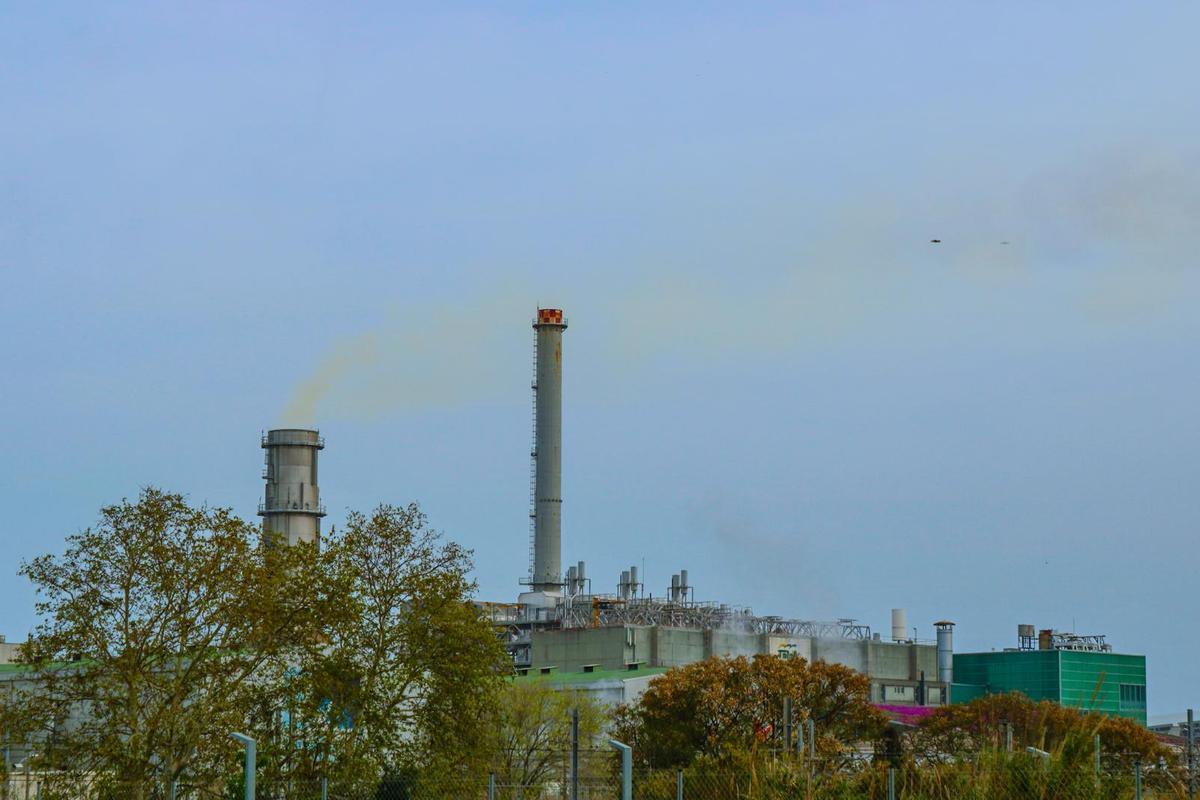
<point x="945" y="651"/>
<point x="291" y="507"/>
<point x="899" y="625"/>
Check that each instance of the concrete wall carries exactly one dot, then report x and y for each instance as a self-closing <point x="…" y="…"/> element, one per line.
<point x="735" y="643"/>
<point x="678" y="646"/>
<point x="605" y="689"/>
<point x="894" y="668"/>
<point x="569" y="650"/>
<point x="850" y="652"/>
<point x="8" y="652"/>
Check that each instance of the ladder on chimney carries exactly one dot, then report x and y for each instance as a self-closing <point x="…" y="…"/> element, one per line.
<point x="533" y="468"/>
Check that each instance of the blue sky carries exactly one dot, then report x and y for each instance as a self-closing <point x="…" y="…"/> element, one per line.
<point x="215" y="218"/>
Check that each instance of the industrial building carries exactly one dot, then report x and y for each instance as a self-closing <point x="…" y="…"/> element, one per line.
<point x="1074" y="670"/>
<point x="566" y="630"/>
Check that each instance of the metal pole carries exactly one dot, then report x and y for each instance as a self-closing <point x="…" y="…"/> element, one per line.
<point x="324" y="787"/>
<point x="171" y="793"/>
<point x="800" y="740"/>
<point x="1137" y="781"/>
<point x="1096" y="747"/>
<point x="679" y="785"/>
<point x="1008" y="737"/>
<point x="492" y="786"/>
<point x="1191" y="754"/>
<point x="812" y="740"/>
<point x="626" y="768"/>
<point x="787" y="724"/>
<point x="251" y="766"/>
<point x="575" y="753"/>
<point x="891" y="783"/>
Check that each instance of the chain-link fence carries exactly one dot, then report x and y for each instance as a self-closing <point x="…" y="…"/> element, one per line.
<point x="985" y="776"/>
<point x="993" y="776"/>
<point x="596" y="774"/>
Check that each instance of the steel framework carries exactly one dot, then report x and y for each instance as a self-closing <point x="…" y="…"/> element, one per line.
<point x="602" y="611"/>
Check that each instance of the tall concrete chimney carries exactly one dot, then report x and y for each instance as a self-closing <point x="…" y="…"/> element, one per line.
<point x="546" y="569"/>
<point x="291" y="507"/>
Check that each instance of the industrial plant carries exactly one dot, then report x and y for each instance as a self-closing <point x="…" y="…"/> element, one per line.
<point x="572" y="625"/>
<point x="571" y="629"/>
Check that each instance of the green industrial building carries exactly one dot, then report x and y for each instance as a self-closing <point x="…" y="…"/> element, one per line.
<point x="1091" y="678"/>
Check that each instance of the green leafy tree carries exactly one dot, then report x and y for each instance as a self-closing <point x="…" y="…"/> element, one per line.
<point x="156" y="626"/>
<point x="1064" y="732"/>
<point x="722" y="706"/>
<point x="531" y="735"/>
<point x="405" y="673"/>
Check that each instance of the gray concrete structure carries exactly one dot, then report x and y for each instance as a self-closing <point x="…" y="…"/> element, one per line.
<point x="610" y="688"/>
<point x="9" y="651"/>
<point x="546" y="570"/>
<point x="291" y="507"/>
<point x="901" y="673"/>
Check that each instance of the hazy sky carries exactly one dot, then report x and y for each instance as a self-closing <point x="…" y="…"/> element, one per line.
<point x="217" y="217"/>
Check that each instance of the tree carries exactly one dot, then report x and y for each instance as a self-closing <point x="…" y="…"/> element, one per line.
<point x="155" y="626"/>
<point x="715" y="707"/>
<point x="407" y="672"/>
<point x="1067" y="732"/>
<point x="532" y="734"/>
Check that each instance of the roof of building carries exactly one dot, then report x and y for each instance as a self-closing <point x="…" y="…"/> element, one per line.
<point x="590" y="677"/>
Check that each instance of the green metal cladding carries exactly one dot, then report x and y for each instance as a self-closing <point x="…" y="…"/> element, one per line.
<point x="1110" y="683"/>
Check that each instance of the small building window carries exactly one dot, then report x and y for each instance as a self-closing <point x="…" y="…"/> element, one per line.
<point x="1133" y="695"/>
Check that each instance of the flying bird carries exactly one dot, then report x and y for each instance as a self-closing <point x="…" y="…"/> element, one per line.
<point x="935" y="241"/>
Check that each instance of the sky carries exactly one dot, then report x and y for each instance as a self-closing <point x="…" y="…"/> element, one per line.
<point x="216" y="218"/>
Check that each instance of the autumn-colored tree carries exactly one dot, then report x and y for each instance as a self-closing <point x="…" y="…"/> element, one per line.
<point x="405" y="672"/>
<point x="1065" y="732"/>
<point x="531" y="734"/>
<point x="718" y="706"/>
<point x="156" y="624"/>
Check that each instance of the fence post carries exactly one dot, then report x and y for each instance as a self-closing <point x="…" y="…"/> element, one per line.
<point x="492" y="786"/>
<point x="1008" y="737"/>
<point x="891" y="783"/>
<point x="1191" y="754"/>
<point x="324" y="787"/>
<point x="1096" y="748"/>
<point x="626" y="768"/>
<point x="1137" y="781"/>
<point x="171" y="793"/>
<point x="787" y="724"/>
<point x="251" y="765"/>
<point x="812" y="740"/>
<point x="679" y="785"/>
<point x="575" y="753"/>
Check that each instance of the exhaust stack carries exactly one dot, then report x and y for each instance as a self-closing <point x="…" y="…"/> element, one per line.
<point x="291" y="507"/>
<point x="945" y="651"/>
<point x="899" y="625"/>
<point x="546" y="567"/>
